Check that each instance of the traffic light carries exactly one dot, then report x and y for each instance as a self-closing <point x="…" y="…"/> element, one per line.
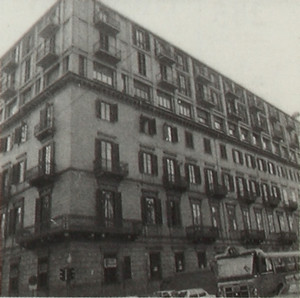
<point x="71" y="273"/>
<point x="62" y="274"/>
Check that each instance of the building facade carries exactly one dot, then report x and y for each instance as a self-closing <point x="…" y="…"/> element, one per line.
<point x="129" y="161"/>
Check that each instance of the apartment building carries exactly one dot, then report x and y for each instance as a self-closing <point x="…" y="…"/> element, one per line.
<point x="128" y="161"/>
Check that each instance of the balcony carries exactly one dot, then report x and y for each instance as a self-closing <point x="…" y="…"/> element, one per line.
<point x="202" y="75"/>
<point x="278" y="134"/>
<point x="256" y="106"/>
<point x="235" y="115"/>
<point x="291" y="205"/>
<point x="44" y="130"/>
<point x="230" y="93"/>
<point x="287" y="238"/>
<point x="248" y="198"/>
<point x="205" y="101"/>
<point x="49" y="25"/>
<point x="9" y="62"/>
<point x="77" y="227"/>
<point x="217" y="191"/>
<point x="258" y="127"/>
<point x="252" y="236"/>
<point x="41" y="175"/>
<point x="8" y="89"/>
<point x="204" y="234"/>
<point x="294" y="143"/>
<point x="5" y="194"/>
<point x="290" y="125"/>
<point x="167" y="82"/>
<point x="272" y="201"/>
<point x="164" y="55"/>
<point x="104" y="21"/>
<point x="107" y="53"/>
<point x="177" y="183"/>
<point x="46" y="55"/>
<point x="105" y="169"/>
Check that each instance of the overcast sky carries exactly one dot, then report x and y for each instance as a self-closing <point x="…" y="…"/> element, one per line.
<point x="254" y="42"/>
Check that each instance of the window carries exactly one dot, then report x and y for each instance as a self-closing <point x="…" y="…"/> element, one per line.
<point x="148" y="163"/>
<point x="51" y="76"/>
<point x="215" y="216"/>
<point x="261" y="164"/>
<point x="202" y="261"/>
<point x="184" y="86"/>
<point x="18" y="172"/>
<point x="107" y="155"/>
<point x="244" y="135"/>
<point x="204" y="117"/>
<point x="26" y="96"/>
<point x="81" y="65"/>
<point x="255" y="140"/>
<point x="103" y="74"/>
<point x="196" y="213"/>
<point x="28" y="42"/>
<point x="246" y="219"/>
<point x="250" y="161"/>
<point x="5" y="182"/>
<point x="237" y="156"/>
<point x="151" y="210"/>
<point x="253" y="188"/>
<point x="271" y="168"/>
<point x="106" y="111"/>
<point x="110" y="264"/>
<point x="271" y="222"/>
<point x="127" y="274"/>
<point x="173" y="212"/>
<point x="291" y="221"/>
<point x="15" y="218"/>
<point x="259" y="219"/>
<point x="233" y="130"/>
<point x="228" y="182"/>
<point x="231" y="218"/>
<point x="282" y="224"/>
<point x="266" y="144"/>
<point x="170" y="169"/>
<point x="275" y="191"/>
<point x="155" y="265"/>
<point x="147" y="125"/>
<point x="42" y="212"/>
<point x="265" y="191"/>
<point x="241" y="187"/>
<point x="142" y="63"/>
<point x="14" y="279"/>
<point x="66" y="61"/>
<point x="179" y="261"/>
<point x="170" y="133"/>
<point x="42" y="272"/>
<point x="164" y="100"/>
<point x="46" y="159"/>
<point x="6" y="144"/>
<point x="181" y="61"/>
<point x="109" y="208"/>
<point x="140" y="38"/>
<point x="285" y="196"/>
<point x="207" y="146"/>
<point x="125" y="83"/>
<point x="189" y="140"/>
<point x="223" y="151"/>
<point x="27" y="69"/>
<point x="211" y="180"/>
<point x="184" y="108"/>
<point x="46" y="117"/>
<point x="141" y="90"/>
<point x="219" y="124"/>
<point x="192" y="172"/>
<point x="11" y="108"/>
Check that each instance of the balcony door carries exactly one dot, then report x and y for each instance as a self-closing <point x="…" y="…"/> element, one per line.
<point x="46" y="160"/>
<point x="42" y="213"/>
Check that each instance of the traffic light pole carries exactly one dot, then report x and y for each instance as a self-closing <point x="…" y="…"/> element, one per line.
<point x="67" y="274"/>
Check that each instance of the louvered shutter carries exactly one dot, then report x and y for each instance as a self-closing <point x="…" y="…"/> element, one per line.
<point x="100" y="207"/>
<point x="141" y="162"/>
<point x="118" y="217"/>
<point x="165" y="131"/>
<point x="154" y="165"/>
<point x="144" y="210"/>
<point x="18" y="134"/>
<point x="97" y="151"/>
<point x="37" y="215"/>
<point x="43" y="118"/>
<point x="177" y="172"/>
<point x="168" y="208"/>
<point x="174" y="135"/>
<point x="197" y="174"/>
<point x="187" y="176"/>
<point x="114" y="113"/>
<point x="115" y="157"/>
<point x="158" y="211"/>
<point x="231" y="183"/>
<point x="98" y="108"/>
<point x="152" y="127"/>
<point x="134" y="35"/>
<point x="147" y="41"/>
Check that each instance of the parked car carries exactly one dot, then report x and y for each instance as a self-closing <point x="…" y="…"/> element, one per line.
<point x="198" y="292"/>
<point x="167" y="293"/>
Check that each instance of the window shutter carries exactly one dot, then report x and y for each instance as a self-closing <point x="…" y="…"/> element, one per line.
<point x="19" y="224"/>
<point x="215" y="175"/>
<point x="178" y="214"/>
<point x="168" y="207"/>
<point x="253" y="161"/>
<point x="147" y="41"/>
<point x="97" y="149"/>
<point x="141" y="162"/>
<point x="177" y="172"/>
<point x="231" y="183"/>
<point x="100" y="207"/>
<point x="257" y="188"/>
<point x="114" y="113"/>
<point x="118" y="209"/>
<point x="241" y="157"/>
<point x="134" y="35"/>
<point x="154" y="165"/>
<point x="115" y="157"/>
<point x="43" y="118"/>
<point x="52" y="146"/>
<point x="143" y="210"/>
<point x="152" y="126"/>
<point x="233" y="155"/>
<point x="174" y="135"/>
<point x="238" y="186"/>
<point x="3" y="144"/>
<point x="18" y="133"/>
<point x="165" y="167"/>
<point x="142" y="123"/>
<point x="158" y="211"/>
<point x="206" y="180"/>
<point x="37" y="215"/>
<point x="15" y="173"/>
<point x="165" y="131"/>
<point x="98" y="108"/>
<point x="197" y="174"/>
<point x="186" y="169"/>
<point x="127" y="268"/>
<point x="41" y="160"/>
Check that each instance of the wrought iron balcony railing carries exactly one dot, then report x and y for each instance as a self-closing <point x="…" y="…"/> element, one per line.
<point x="41" y="175"/>
<point x="106" y="169"/>
<point x="199" y="233"/>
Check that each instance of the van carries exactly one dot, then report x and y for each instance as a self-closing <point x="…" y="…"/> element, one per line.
<point x="193" y="293"/>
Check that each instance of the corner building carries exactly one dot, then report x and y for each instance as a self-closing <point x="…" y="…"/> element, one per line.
<point x="127" y="159"/>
